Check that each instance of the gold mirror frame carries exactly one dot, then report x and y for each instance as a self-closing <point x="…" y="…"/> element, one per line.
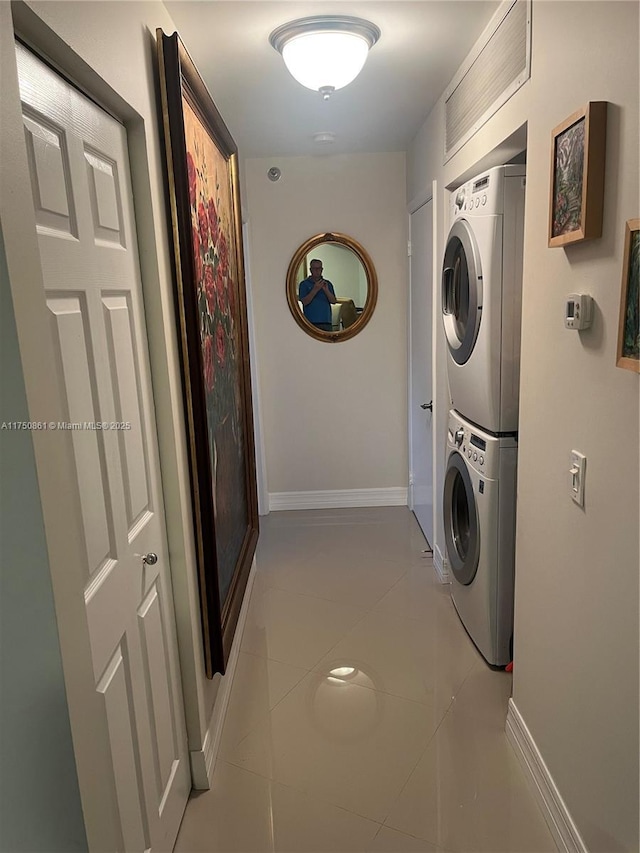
<point x="292" y="287"/>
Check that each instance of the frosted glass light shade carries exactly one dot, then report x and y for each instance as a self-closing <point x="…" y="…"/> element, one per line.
<point x="325" y="53"/>
<point x="325" y="60"/>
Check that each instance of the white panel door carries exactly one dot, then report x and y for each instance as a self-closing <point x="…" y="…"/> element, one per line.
<point x="420" y="368"/>
<point x="80" y="181"/>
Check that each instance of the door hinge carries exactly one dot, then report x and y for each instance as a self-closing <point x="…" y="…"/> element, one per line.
<point x="409" y="248"/>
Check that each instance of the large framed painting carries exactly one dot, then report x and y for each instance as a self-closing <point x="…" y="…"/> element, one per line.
<point x="578" y="148"/>
<point x="628" y="355"/>
<point x="204" y="201"/>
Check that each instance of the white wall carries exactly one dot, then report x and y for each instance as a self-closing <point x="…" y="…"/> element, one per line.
<point x="576" y="623"/>
<point x="334" y="415"/>
<point x="109" y="49"/>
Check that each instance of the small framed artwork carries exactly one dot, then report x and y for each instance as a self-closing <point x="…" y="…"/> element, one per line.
<point x="578" y="148"/>
<point x="628" y="355"/>
<point x="205" y="222"/>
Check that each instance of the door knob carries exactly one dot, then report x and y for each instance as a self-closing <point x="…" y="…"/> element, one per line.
<point x="150" y="559"/>
<point x="427" y="406"/>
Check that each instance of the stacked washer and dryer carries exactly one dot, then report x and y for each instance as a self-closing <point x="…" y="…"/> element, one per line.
<point x="481" y="306"/>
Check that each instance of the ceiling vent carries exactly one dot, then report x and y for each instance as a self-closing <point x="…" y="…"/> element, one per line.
<point x="498" y="65"/>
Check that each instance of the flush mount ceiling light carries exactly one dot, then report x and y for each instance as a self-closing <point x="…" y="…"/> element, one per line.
<point x="325" y="52"/>
<point x="324" y="137"/>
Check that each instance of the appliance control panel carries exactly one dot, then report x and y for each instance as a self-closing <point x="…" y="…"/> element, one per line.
<point x="466" y="199"/>
<point x="484" y="195"/>
<point x="476" y="448"/>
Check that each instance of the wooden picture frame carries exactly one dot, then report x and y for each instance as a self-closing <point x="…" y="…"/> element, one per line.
<point x="628" y="352"/>
<point x="578" y="149"/>
<point x="204" y="202"/>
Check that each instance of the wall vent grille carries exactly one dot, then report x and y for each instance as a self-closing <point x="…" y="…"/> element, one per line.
<point x="497" y="66"/>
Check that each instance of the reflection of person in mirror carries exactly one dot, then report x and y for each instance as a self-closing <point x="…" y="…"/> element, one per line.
<point x="317" y="296"/>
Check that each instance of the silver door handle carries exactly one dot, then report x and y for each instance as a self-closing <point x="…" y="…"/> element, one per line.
<point x="427" y="406"/>
<point x="150" y="559"/>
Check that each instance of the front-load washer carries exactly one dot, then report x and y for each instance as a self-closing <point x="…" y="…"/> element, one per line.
<point x="482" y="297"/>
<point x="479" y="524"/>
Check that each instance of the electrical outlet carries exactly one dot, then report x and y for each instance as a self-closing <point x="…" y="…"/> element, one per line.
<point x="576" y="476"/>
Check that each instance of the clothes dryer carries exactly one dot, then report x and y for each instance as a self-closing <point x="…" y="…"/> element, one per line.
<point x="479" y="523"/>
<point x="482" y="297"/>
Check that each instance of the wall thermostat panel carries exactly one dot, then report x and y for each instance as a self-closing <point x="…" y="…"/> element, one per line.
<point x="578" y="311"/>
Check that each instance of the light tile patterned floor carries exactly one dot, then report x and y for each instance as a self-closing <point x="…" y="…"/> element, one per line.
<point x="361" y="717"/>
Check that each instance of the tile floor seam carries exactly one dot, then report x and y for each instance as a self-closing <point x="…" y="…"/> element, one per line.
<point x="343" y="637"/>
<point x="306" y="792"/>
<point x="390" y="590"/>
<point x="285" y="662"/>
<point x="269" y="710"/>
<point x="275" y="660"/>
<point x="438" y="847"/>
<point x="320" y="597"/>
<point x="324" y="598"/>
<point x="424" y="751"/>
<point x="412" y="771"/>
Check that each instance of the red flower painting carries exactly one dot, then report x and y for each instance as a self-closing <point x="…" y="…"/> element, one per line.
<point x="215" y="282"/>
<point x="191" y="174"/>
<point x="204" y="195"/>
<point x="207" y="349"/>
<point x="211" y="227"/>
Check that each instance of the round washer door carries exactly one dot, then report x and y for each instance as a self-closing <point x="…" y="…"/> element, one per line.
<point x="461" y="528"/>
<point x="461" y="291"/>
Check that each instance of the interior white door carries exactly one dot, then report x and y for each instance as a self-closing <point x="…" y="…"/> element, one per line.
<point x="420" y="367"/>
<point x="81" y="186"/>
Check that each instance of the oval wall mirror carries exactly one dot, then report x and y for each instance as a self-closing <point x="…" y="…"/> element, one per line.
<point x="332" y="287"/>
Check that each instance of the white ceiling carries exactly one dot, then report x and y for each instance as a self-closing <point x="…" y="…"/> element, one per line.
<point x="422" y="45"/>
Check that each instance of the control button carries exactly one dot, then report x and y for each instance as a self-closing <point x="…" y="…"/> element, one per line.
<point x="477" y="202"/>
<point x="484" y="200"/>
<point x="481" y="459"/>
<point x="475" y="456"/>
<point x="469" y="454"/>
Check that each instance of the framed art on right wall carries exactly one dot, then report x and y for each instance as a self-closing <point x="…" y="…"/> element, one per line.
<point x="628" y="355"/>
<point x="577" y="176"/>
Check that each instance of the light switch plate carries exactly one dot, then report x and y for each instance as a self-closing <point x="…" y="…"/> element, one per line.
<point x="576" y="476"/>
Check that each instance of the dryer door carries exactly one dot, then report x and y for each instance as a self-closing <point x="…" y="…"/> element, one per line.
<point x="461" y="527"/>
<point x="461" y="291"/>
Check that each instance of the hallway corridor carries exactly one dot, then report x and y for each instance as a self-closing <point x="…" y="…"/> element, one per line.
<point x="361" y="717"/>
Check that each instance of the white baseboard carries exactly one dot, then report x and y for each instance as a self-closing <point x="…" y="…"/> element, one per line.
<point x="203" y="760"/>
<point x="395" y="496"/>
<point x="564" y="831"/>
<point x="202" y="765"/>
<point x="441" y="565"/>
